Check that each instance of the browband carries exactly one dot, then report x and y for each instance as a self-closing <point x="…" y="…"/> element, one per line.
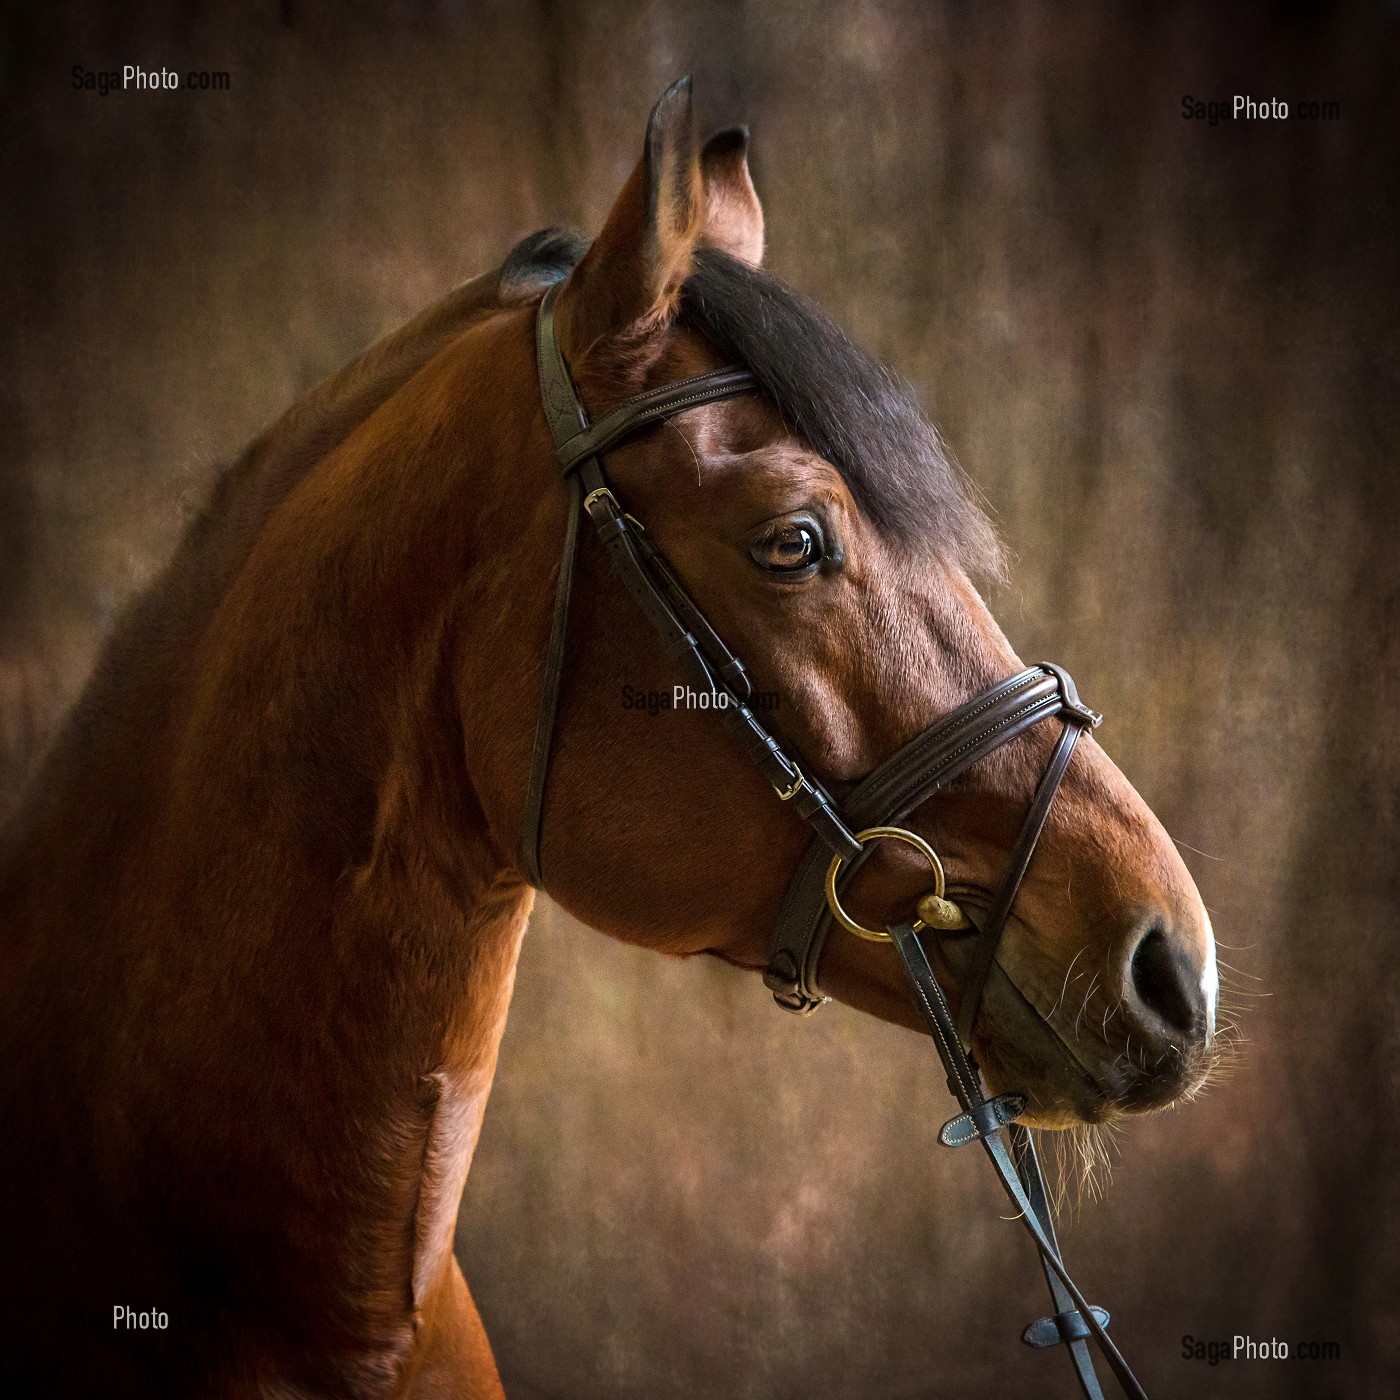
<point x="646" y="408"/>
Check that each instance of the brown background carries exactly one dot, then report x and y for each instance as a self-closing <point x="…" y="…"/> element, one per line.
<point x="1166" y="353"/>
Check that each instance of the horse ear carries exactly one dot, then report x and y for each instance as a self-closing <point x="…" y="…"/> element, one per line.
<point x="634" y="270"/>
<point x="733" y="215"/>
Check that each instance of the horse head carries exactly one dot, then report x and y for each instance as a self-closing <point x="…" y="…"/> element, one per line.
<point x="830" y="540"/>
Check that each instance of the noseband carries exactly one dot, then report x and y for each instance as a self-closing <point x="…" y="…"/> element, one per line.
<point x="844" y="835"/>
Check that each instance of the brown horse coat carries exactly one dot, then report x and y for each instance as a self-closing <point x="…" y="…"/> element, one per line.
<point x="262" y="907"/>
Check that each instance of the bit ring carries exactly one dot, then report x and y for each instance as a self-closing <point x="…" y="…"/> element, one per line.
<point x="947" y="914"/>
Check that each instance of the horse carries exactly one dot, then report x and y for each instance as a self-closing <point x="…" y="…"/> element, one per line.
<point x="263" y="900"/>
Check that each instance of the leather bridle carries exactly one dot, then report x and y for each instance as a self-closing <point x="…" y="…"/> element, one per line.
<point x="843" y="835"/>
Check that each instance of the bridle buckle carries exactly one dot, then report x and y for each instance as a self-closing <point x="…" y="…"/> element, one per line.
<point x="786" y="794"/>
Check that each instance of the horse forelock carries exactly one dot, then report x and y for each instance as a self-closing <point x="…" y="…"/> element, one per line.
<point x="857" y="414"/>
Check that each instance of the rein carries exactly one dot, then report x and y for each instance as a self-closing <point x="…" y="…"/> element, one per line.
<point x="842" y="837"/>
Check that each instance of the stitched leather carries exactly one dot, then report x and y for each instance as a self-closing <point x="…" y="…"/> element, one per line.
<point x="1062" y="1327"/>
<point x="906" y="779"/>
<point x="982" y="1119"/>
<point x="645" y="409"/>
<point x="1027" y="1164"/>
<point x="1020" y="1178"/>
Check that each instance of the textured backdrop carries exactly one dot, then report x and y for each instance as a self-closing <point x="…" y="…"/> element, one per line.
<point x="1165" y="351"/>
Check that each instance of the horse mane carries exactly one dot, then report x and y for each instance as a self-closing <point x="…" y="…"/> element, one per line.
<point x="139" y="663"/>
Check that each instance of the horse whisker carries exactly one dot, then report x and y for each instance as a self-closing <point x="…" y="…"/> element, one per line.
<point x="1065" y="987"/>
<point x="1084" y="1005"/>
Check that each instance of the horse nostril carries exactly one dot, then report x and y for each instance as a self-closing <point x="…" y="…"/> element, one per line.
<point x="1164" y="982"/>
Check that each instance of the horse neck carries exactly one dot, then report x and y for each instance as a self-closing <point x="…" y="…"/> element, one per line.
<point x="302" y="863"/>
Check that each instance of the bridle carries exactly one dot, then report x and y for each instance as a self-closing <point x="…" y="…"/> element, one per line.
<point x="843" y="836"/>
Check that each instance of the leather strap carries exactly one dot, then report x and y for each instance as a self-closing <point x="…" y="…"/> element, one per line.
<point x="906" y="779"/>
<point x="974" y="977"/>
<point x="562" y="409"/>
<point x="1027" y="1163"/>
<point x="549" y="696"/>
<point x="647" y="408"/>
<point x="653" y="584"/>
<point x="1020" y="1178"/>
<point x="1062" y="1327"/>
<point x="982" y="1119"/>
<point x="565" y="417"/>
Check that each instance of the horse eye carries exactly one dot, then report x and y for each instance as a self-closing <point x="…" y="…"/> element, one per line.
<point x="789" y="548"/>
